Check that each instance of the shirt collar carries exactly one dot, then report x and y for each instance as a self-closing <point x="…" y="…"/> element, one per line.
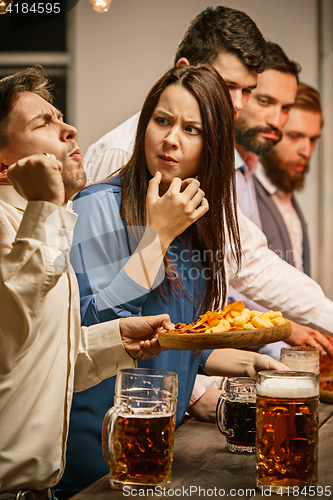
<point x="261" y="176"/>
<point x="269" y="186"/>
<point x="11" y="197"/>
<point x="239" y="162"/>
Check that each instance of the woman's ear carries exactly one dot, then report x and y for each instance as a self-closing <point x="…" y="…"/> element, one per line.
<point x="182" y="62"/>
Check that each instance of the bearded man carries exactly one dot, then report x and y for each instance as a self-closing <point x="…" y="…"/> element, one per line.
<point x="281" y="172"/>
<point x="259" y="130"/>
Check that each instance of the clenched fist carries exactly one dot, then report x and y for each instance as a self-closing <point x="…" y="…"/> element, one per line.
<point x="38" y="177"/>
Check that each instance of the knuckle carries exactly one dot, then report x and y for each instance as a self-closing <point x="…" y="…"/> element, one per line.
<point x="22" y="162"/>
<point x="171" y="196"/>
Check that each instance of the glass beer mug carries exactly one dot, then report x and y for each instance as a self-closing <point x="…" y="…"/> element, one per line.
<point x="287" y="430"/>
<point x="236" y="414"/>
<point x="138" y="431"/>
<point x="305" y="359"/>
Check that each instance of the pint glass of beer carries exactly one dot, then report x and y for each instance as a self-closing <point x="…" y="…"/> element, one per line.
<point x="138" y="431"/>
<point x="287" y="430"/>
<point x="305" y="359"/>
<point x="236" y="414"/>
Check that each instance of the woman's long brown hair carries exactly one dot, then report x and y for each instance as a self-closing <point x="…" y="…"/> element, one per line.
<point x="216" y="175"/>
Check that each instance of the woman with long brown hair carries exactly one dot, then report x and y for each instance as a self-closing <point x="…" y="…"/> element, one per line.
<point x="156" y="237"/>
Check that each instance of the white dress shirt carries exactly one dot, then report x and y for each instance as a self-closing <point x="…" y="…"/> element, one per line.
<point x="112" y="151"/>
<point x="41" y="341"/>
<point x="275" y="284"/>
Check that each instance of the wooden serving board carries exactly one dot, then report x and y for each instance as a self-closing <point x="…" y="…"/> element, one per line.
<point x="240" y="338"/>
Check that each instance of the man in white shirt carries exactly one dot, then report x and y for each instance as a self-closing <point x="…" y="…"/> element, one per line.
<point x="41" y="340"/>
<point x="281" y="172"/>
<point x="258" y="129"/>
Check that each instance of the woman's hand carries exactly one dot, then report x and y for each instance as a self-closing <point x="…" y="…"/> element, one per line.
<point x="263" y="362"/>
<point x="167" y="217"/>
<point x="239" y="363"/>
<point x="182" y="204"/>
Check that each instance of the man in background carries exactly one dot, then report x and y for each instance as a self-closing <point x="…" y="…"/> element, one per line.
<point x="260" y="125"/>
<point x="258" y="132"/>
<point x="281" y="172"/>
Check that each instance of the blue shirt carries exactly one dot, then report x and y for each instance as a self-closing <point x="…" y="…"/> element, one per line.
<point x="246" y="195"/>
<point x="101" y="247"/>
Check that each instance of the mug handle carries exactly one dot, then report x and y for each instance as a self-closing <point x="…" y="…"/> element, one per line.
<point x="220" y="417"/>
<point x="108" y="432"/>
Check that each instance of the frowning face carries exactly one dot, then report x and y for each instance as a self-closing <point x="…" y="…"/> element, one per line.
<point x="174" y="136"/>
<point x="35" y="126"/>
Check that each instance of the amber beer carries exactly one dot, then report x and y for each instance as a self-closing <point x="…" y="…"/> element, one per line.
<point x="138" y="431"/>
<point x="143" y="449"/>
<point x="287" y="430"/>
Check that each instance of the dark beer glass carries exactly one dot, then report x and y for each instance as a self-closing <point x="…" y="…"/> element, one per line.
<point x="236" y="414"/>
<point x="287" y="430"/>
<point x="138" y="431"/>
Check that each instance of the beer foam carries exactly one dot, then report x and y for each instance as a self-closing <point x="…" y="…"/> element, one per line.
<point x="288" y="388"/>
<point x="146" y="416"/>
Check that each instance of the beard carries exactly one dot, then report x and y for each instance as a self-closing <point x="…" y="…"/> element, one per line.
<point x="249" y="140"/>
<point x="282" y="174"/>
<point x="73" y="176"/>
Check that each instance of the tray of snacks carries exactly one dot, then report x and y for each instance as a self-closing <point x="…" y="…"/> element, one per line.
<point x="326" y="378"/>
<point x="233" y="326"/>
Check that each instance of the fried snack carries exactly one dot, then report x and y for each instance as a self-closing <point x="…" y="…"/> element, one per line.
<point x="326" y="385"/>
<point x="242" y="318"/>
<point x="278" y="321"/>
<point x="326" y="367"/>
<point x="261" y="322"/>
<point x="233" y="317"/>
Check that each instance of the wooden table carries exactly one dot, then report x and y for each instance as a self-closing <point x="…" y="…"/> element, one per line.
<point x="201" y="460"/>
